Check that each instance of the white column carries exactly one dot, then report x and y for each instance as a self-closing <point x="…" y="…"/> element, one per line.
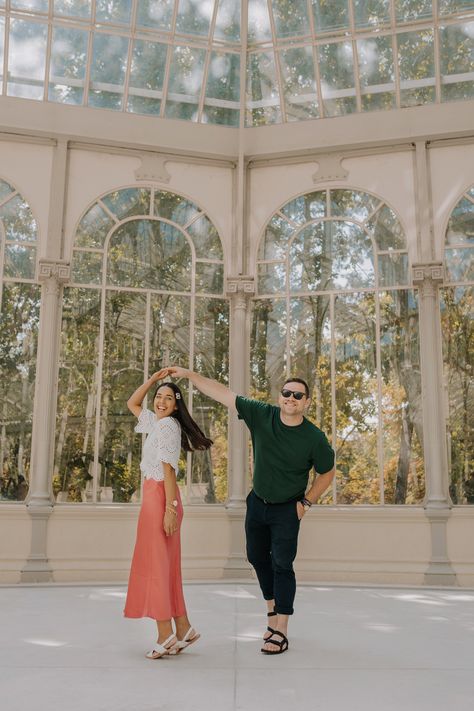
<point x="39" y="502"/>
<point x="427" y="277"/>
<point x="239" y="289"/>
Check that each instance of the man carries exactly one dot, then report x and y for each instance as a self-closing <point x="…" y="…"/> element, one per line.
<point x="286" y="446"/>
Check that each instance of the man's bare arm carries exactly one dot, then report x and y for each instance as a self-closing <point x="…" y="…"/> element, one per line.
<point x="320" y="484"/>
<point x="211" y="388"/>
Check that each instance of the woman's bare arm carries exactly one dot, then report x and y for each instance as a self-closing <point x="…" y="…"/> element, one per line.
<point x="134" y="402"/>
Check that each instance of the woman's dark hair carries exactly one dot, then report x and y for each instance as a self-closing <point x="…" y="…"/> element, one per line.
<point x="192" y="437"/>
<point x="298" y="380"/>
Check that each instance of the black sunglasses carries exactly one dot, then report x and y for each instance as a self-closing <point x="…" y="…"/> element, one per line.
<point x="296" y="394"/>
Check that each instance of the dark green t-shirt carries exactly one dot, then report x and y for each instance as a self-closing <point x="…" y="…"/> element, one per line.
<point x="283" y="456"/>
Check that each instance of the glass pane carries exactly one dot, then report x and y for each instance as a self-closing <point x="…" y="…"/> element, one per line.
<point x="337" y="78"/>
<point x="416" y="62"/>
<point x="356" y="206"/>
<point x="109" y="62"/>
<point x="77" y="395"/>
<point x="259" y="28"/>
<point x="118" y="475"/>
<point x="18" y="221"/>
<point x="263" y="101"/>
<point x="228" y="21"/>
<point x="460" y="264"/>
<point x="19" y="319"/>
<point x="268" y="348"/>
<point x="223" y="79"/>
<point x="115" y="11"/>
<point x="310" y="352"/>
<point x="306" y="207"/>
<point x="74" y="8"/>
<point x="26" y="59"/>
<point x="128" y="202"/>
<point x="211" y="338"/>
<point x="2" y="48"/>
<point x="5" y="189"/>
<point x="205" y="239"/>
<point x="170" y="334"/>
<point x="393" y="269"/>
<point x="457" y="61"/>
<point x="87" y="267"/>
<point x="149" y="254"/>
<point x="330" y="15"/>
<point x="184" y="86"/>
<point x="356" y="399"/>
<point x="209" y="278"/>
<point x="331" y="255"/>
<point x="209" y="467"/>
<point x="457" y="309"/>
<point x="155" y="13"/>
<point x="371" y="13"/>
<point x="291" y="19"/>
<point x="299" y="86"/>
<point x="386" y="230"/>
<point x="34" y="5"/>
<point x="146" y="77"/>
<point x="68" y="65"/>
<point x="194" y="17"/>
<point x="93" y="228"/>
<point x="272" y="278"/>
<point x="174" y="207"/>
<point x="274" y="244"/>
<point x="216" y="115"/>
<point x="409" y="10"/>
<point x="401" y="399"/>
<point x="20" y="261"/>
<point x="461" y="224"/>
<point x="377" y="81"/>
<point x="446" y="7"/>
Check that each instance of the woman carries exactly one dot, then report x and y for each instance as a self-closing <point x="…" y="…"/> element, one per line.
<point x="155" y="588"/>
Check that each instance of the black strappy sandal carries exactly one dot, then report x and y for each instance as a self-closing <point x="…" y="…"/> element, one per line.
<point x="281" y="643"/>
<point x="270" y="629"/>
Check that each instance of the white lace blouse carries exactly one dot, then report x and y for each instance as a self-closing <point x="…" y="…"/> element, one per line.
<point x="163" y="444"/>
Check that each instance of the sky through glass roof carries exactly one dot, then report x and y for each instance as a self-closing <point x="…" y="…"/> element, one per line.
<point x="227" y="62"/>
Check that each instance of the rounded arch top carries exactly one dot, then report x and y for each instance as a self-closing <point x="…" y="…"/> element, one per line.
<point x="18" y="234"/>
<point x="358" y="226"/>
<point x="459" y="240"/>
<point x="149" y="223"/>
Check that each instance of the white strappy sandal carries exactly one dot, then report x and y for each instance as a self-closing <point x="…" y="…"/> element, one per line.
<point x="161" y="650"/>
<point x="190" y="637"/>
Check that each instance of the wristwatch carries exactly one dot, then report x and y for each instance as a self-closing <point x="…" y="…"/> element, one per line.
<point x="174" y="503"/>
<point x="306" y="504"/>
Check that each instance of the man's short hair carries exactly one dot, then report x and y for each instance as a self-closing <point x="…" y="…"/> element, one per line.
<point x="298" y="380"/>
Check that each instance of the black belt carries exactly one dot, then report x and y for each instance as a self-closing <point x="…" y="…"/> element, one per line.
<point x="279" y="503"/>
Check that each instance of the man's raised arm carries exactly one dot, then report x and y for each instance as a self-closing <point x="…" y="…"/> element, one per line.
<point x="208" y="387"/>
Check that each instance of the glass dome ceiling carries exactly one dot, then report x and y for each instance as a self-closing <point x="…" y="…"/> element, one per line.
<point x="238" y="62"/>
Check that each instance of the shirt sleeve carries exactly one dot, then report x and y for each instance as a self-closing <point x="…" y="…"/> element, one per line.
<point x="323" y="457"/>
<point x="250" y="410"/>
<point x="168" y="441"/>
<point x="146" y="420"/>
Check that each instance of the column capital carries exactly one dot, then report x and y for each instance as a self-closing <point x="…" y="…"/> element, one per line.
<point x="241" y="284"/>
<point x="431" y="272"/>
<point x="57" y="268"/>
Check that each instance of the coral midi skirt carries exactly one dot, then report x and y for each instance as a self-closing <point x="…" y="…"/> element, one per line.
<point x="155" y="587"/>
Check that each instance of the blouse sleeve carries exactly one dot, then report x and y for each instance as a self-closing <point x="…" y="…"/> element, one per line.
<point x="146" y="420"/>
<point x="168" y="445"/>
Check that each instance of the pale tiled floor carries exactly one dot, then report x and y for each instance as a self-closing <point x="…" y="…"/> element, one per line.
<point x="353" y="648"/>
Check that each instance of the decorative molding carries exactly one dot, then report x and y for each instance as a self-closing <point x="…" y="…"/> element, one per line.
<point x="330" y="168"/>
<point x="57" y="268"/>
<point x="431" y="271"/>
<point x="153" y="167"/>
<point x="240" y="285"/>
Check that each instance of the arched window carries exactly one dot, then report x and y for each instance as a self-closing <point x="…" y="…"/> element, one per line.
<point x="457" y="314"/>
<point x="147" y="290"/>
<point x="334" y="307"/>
<point x="19" y="316"/>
